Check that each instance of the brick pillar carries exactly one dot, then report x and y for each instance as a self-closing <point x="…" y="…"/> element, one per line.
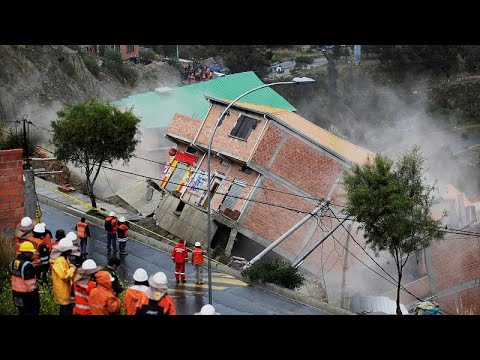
<point x="11" y="188"/>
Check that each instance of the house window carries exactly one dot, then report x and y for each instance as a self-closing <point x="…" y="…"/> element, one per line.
<point x="130" y="48"/>
<point x="243" y="127"/>
<point x="233" y="194"/>
<point x="176" y="177"/>
<point x="191" y="150"/>
<point x="246" y="169"/>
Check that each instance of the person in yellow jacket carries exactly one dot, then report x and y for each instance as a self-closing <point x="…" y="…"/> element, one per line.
<point x="102" y="299"/>
<point x="63" y="273"/>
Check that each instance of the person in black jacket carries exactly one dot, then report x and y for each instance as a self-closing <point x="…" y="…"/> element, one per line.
<point x="112" y="267"/>
<point x="24" y="281"/>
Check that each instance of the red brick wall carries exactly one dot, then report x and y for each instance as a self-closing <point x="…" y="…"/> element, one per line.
<point x="240" y="148"/>
<point x="184" y="126"/>
<point x="465" y="302"/>
<point x="11" y="188"/>
<point x="127" y="55"/>
<point x="267" y="146"/>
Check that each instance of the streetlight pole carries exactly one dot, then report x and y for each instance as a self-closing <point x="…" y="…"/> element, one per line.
<point x="298" y="81"/>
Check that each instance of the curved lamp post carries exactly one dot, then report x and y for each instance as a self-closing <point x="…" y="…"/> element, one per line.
<point x="298" y="81"/>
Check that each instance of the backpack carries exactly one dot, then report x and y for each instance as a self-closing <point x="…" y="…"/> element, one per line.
<point x="108" y="224"/>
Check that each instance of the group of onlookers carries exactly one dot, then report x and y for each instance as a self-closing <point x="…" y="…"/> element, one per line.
<point x="81" y="287"/>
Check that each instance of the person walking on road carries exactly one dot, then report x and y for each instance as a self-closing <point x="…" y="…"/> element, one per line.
<point x="26" y="297"/>
<point x="156" y="301"/>
<point x="197" y="261"/>
<point x="122" y="233"/>
<point x="63" y="273"/>
<point x="111" y="228"/>
<point x="134" y="293"/>
<point x="102" y="300"/>
<point x="83" y="233"/>
<point x="180" y="258"/>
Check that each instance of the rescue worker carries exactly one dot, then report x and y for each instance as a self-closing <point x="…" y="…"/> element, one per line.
<point x="76" y="256"/>
<point x="156" y="301"/>
<point x="59" y="235"/>
<point x="111" y="228"/>
<point x="134" y="293"/>
<point x="122" y="233"/>
<point x="207" y="310"/>
<point x="41" y="256"/>
<point x="112" y="267"/>
<point x="102" y="300"/>
<point x="83" y="233"/>
<point x="22" y="232"/>
<point x="180" y="257"/>
<point x="63" y="273"/>
<point x="24" y="282"/>
<point x="83" y="285"/>
<point x="197" y="261"/>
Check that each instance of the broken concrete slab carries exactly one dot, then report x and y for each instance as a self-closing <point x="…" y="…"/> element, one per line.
<point x="144" y="198"/>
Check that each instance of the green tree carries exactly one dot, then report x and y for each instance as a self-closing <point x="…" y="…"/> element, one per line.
<point x="393" y="205"/>
<point x="92" y="133"/>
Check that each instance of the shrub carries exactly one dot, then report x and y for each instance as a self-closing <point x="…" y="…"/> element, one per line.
<point x="91" y="65"/>
<point x="276" y="272"/>
<point x="304" y="59"/>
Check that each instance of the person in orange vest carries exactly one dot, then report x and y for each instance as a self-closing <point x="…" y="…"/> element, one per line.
<point x="83" y="285"/>
<point x="197" y="261"/>
<point x="22" y="232"/>
<point x="156" y="301"/>
<point x="111" y="228"/>
<point x="122" y="234"/>
<point x="41" y="256"/>
<point x="26" y="297"/>
<point x="102" y="299"/>
<point x="83" y="233"/>
<point x="134" y="293"/>
<point x="63" y="273"/>
<point x="180" y="258"/>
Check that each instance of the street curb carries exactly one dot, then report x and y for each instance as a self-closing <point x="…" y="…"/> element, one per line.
<point x="157" y="244"/>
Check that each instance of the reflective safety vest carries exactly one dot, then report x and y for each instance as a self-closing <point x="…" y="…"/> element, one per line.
<point x="165" y="304"/>
<point x="81" y="233"/>
<point x="37" y="260"/>
<point x="19" y="237"/>
<point x="197" y="256"/>
<point x="48" y="241"/>
<point x="19" y="284"/>
<point x="81" y="292"/>
<point x="132" y="296"/>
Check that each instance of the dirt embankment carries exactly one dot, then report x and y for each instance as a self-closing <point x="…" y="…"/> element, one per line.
<point x="38" y="79"/>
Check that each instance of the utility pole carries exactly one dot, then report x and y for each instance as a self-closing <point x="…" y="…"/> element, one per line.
<point x="323" y="204"/>
<point x="299" y="261"/>
<point x="345" y="267"/>
<point x="25" y="141"/>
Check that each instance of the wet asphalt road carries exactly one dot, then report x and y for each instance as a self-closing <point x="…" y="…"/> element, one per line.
<point x="230" y="296"/>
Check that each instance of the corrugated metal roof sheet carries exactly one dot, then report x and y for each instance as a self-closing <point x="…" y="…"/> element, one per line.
<point x="344" y="148"/>
<point x="157" y="110"/>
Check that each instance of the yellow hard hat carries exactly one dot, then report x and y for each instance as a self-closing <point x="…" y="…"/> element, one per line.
<point x="27" y="246"/>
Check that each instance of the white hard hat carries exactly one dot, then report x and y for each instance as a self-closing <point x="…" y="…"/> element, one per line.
<point x="208" y="310"/>
<point x="65" y="242"/>
<point x="122" y="219"/>
<point x="159" y="280"/>
<point x="39" y="228"/>
<point x="26" y="221"/>
<point x="112" y="213"/>
<point x="72" y="236"/>
<point x="197" y="244"/>
<point x="89" y="264"/>
<point x="140" y="275"/>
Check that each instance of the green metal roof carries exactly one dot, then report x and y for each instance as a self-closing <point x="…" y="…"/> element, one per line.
<point x="157" y="109"/>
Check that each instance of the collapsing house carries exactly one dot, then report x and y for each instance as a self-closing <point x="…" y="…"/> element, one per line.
<point x="269" y="168"/>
